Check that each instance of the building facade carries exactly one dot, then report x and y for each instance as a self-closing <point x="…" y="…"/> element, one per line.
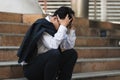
<point x="101" y="10"/>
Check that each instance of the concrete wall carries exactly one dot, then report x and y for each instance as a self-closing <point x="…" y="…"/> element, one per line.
<point x="20" y="6"/>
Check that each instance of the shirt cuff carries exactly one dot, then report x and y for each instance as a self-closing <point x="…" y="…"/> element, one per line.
<point x="72" y="31"/>
<point x="63" y="27"/>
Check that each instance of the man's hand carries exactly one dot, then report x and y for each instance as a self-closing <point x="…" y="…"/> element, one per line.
<point x="65" y="21"/>
<point x="71" y="25"/>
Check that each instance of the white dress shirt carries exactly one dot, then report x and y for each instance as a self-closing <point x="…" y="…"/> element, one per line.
<point x="62" y="37"/>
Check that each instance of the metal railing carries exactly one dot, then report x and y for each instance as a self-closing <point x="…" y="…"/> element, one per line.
<point x="49" y="6"/>
<point x="112" y="10"/>
<point x="113" y="6"/>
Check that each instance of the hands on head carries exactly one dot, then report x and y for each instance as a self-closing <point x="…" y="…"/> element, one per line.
<point x="68" y="22"/>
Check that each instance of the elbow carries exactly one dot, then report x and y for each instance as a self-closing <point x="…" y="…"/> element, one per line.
<point x="53" y="46"/>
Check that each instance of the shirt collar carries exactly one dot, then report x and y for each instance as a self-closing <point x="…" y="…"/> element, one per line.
<point x="47" y="18"/>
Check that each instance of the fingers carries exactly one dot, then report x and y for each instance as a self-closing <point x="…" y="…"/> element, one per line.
<point x="58" y="17"/>
<point x="67" y="18"/>
<point x="65" y="21"/>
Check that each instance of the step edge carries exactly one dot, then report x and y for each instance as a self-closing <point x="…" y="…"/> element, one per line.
<point x="85" y="75"/>
<point x="95" y="37"/>
<point x="14" y="23"/>
<point x="8" y="63"/>
<point x="17" y="79"/>
<point x="97" y="59"/>
<point x="98" y="37"/>
<point x="117" y="47"/>
<point x="96" y="74"/>
<point x="16" y="47"/>
<point x="9" y="47"/>
<point x="12" y="34"/>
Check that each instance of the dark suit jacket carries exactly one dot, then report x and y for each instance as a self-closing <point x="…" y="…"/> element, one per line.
<point x="28" y="48"/>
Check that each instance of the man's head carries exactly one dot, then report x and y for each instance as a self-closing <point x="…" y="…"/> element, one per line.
<point x="62" y="12"/>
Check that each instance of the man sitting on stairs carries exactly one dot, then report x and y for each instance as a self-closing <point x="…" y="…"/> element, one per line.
<point x="46" y="52"/>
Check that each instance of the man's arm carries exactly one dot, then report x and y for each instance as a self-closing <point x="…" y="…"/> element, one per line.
<point x="69" y="41"/>
<point x="51" y="42"/>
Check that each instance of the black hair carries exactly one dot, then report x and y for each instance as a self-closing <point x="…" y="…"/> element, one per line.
<point x="63" y="11"/>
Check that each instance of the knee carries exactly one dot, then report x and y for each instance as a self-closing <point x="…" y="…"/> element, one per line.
<point x="54" y="53"/>
<point x="73" y="53"/>
<point x="54" y="56"/>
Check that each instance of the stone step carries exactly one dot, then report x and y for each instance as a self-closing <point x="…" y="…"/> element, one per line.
<point x="23" y="78"/>
<point x="96" y="64"/>
<point x="89" y="31"/>
<point x="86" y="31"/>
<point x="97" y="41"/>
<point x="98" y="52"/>
<point x="9" y="52"/>
<point x="104" y="25"/>
<point x="10" y="17"/>
<point x="82" y="22"/>
<point x="87" y="27"/>
<point x="79" y="22"/>
<point x="18" y="28"/>
<point x="7" y="39"/>
<point x="19" y="18"/>
<point x="11" y="69"/>
<point x="101" y="75"/>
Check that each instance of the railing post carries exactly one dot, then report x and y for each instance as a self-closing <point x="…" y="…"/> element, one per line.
<point x="95" y="9"/>
<point x="45" y="6"/>
<point x="103" y="10"/>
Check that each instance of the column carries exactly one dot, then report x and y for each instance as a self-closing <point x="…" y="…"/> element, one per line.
<point x="103" y="10"/>
<point x="80" y="7"/>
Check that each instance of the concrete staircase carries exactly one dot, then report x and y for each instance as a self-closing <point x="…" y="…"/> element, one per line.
<point x="12" y="30"/>
<point x="97" y="45"/>
<point x="98" y="50"/>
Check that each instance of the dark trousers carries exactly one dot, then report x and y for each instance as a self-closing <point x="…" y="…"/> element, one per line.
<point x="52" y="65"/>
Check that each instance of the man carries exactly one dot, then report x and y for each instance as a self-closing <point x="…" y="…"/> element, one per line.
<point x="46" y="52"/>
